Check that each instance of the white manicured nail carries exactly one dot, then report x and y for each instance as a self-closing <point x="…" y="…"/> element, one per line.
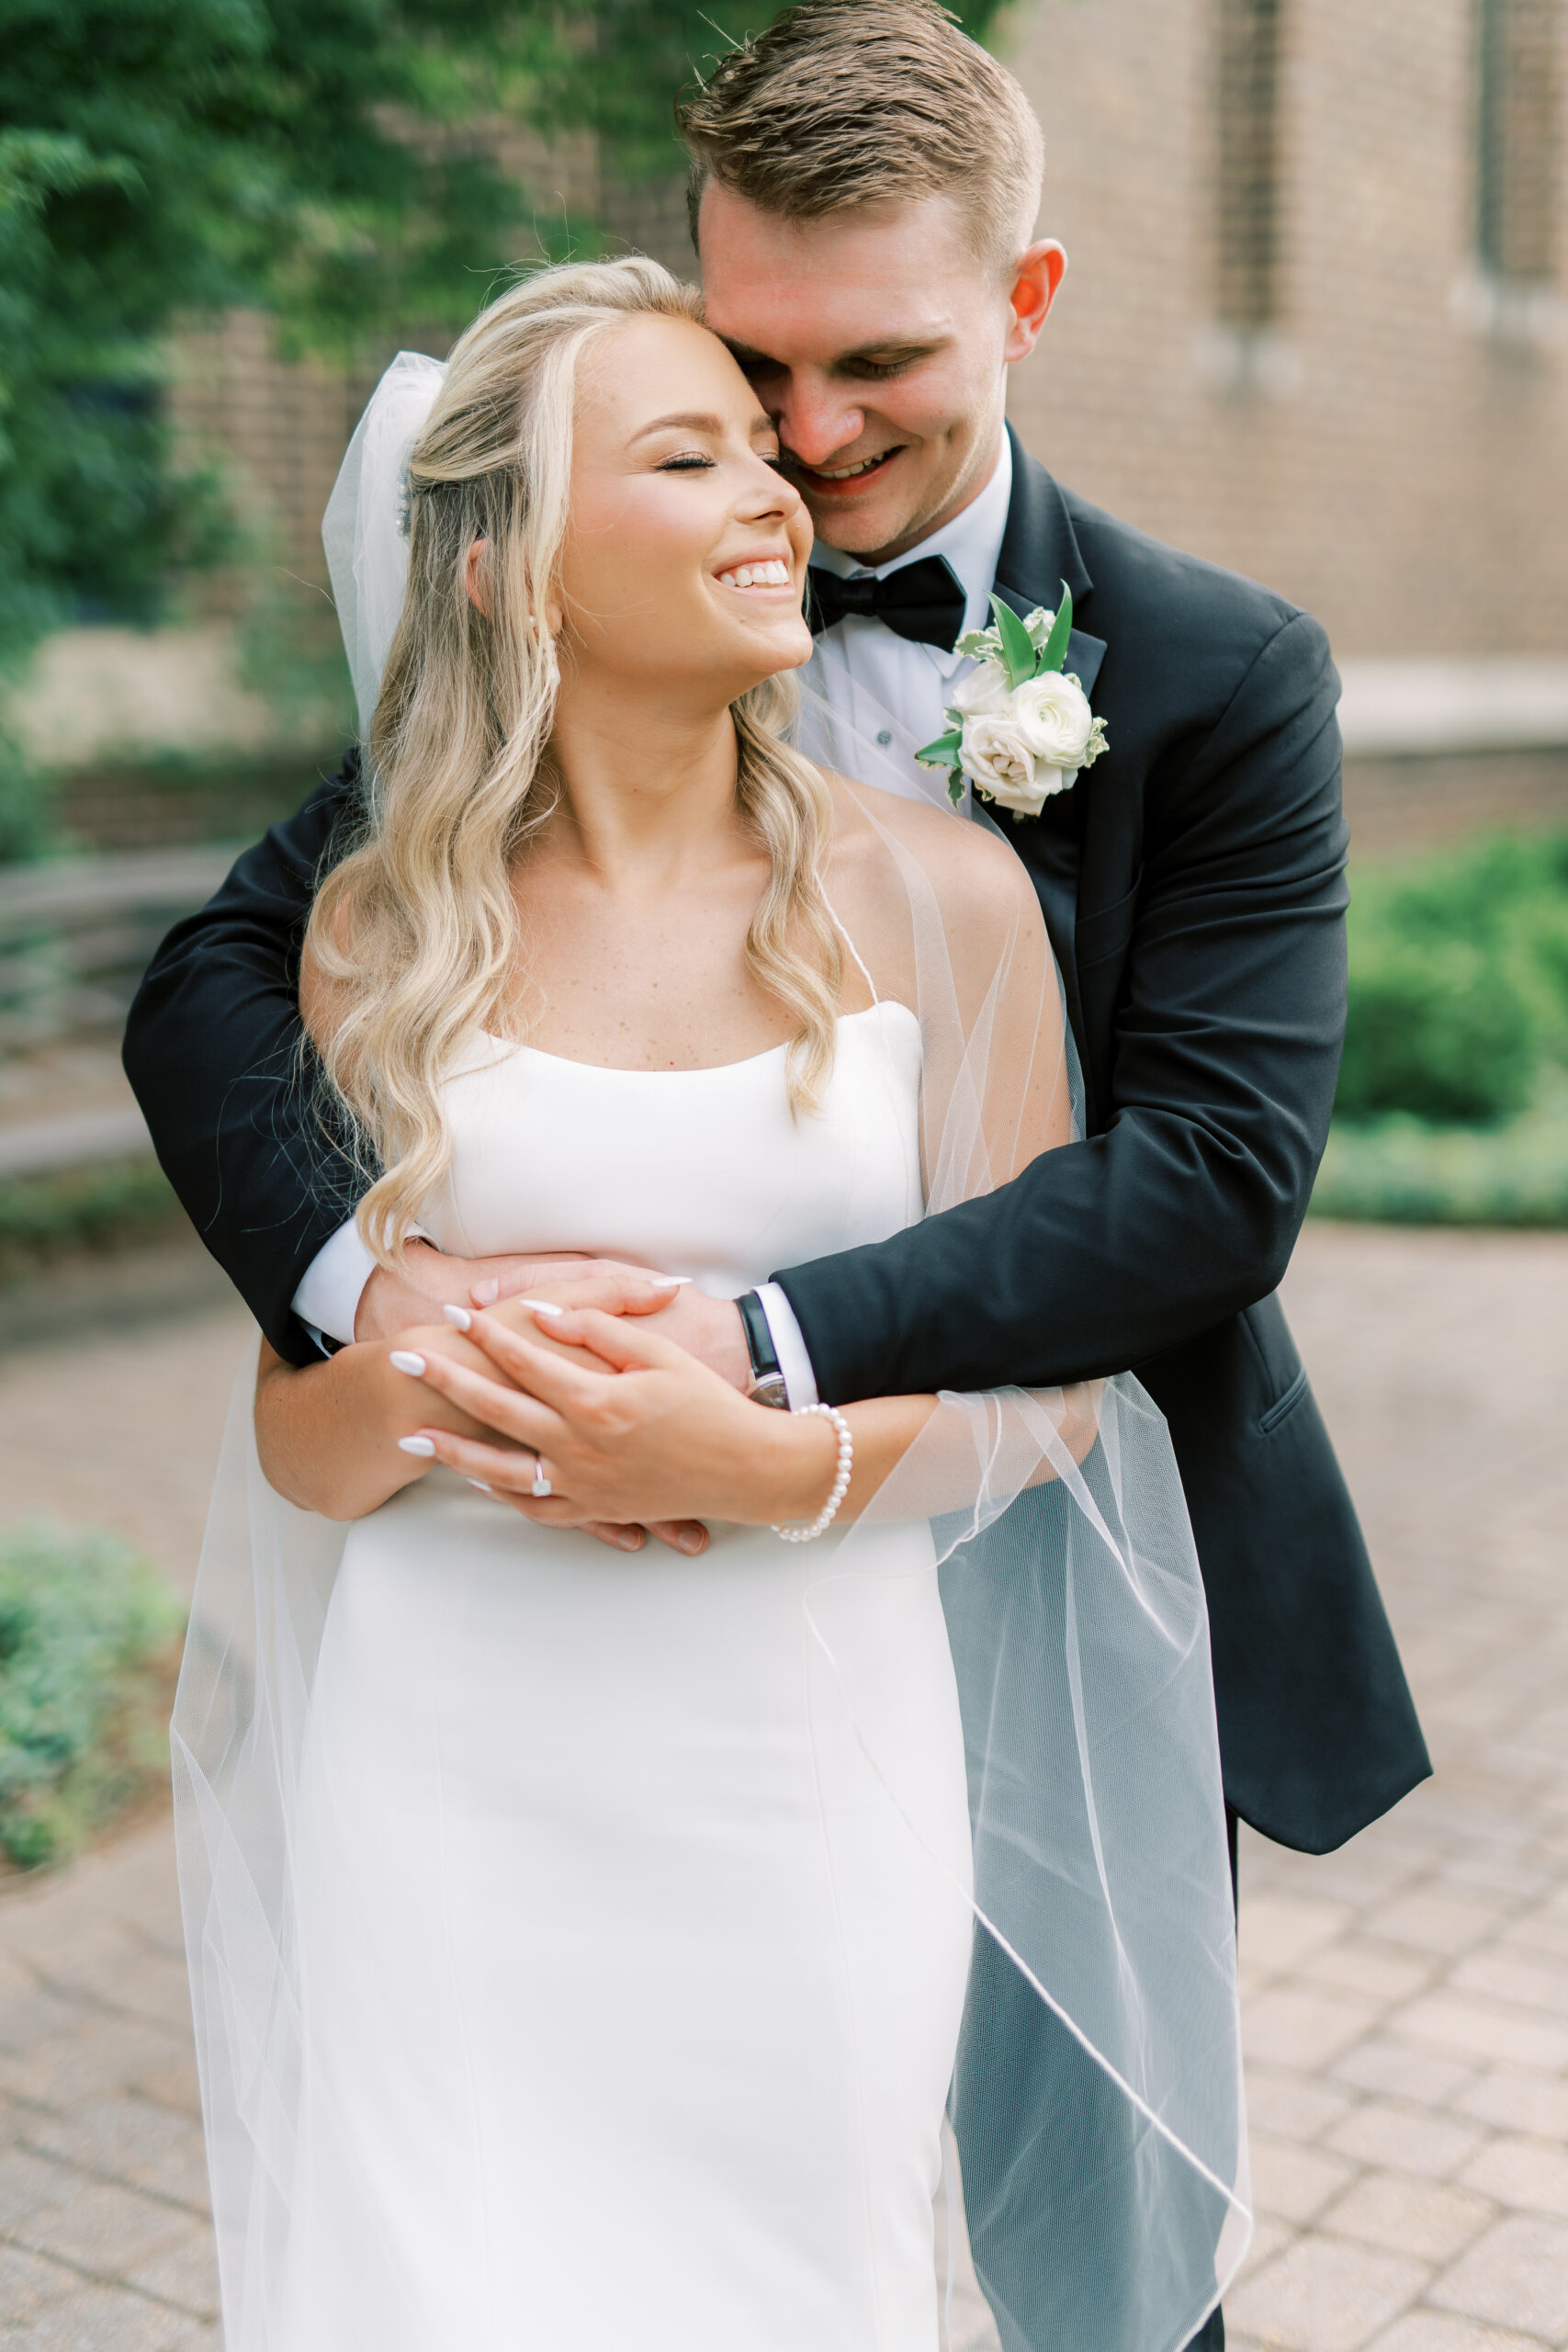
<point x="540" y="1307"/>
<point x="670" y="1281"/>
<point x="423" y="1446"/>
<point x="481" y="1484"/>
<point x="461" y="1320"/>
<point x="405" y="1360"/>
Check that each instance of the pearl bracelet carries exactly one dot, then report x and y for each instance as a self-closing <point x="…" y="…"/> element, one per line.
<point x="825" y="1517"/>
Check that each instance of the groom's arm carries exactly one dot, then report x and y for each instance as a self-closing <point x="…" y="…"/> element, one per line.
<point x="1226" y="1049"/>
<point x="214" y="1050"/>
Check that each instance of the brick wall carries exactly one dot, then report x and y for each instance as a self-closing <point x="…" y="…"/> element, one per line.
<point x="281" y="430"/>
<point x="280" y="427"/>
<point x="1385" y="438"/>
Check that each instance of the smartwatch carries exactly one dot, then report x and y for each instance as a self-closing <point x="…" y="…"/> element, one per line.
<point x="767" y="1386"/>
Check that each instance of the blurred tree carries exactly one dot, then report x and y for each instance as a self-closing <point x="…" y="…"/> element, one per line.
<point x="333" y="161"/>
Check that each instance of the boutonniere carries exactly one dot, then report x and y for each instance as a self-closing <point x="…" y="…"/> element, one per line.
<point x="1021" y="727"/>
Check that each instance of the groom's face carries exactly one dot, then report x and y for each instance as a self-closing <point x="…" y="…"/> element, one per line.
<point x="879" y="346"/>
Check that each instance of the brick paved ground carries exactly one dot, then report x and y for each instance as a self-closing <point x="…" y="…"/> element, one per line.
<point x="1407" y="2000"/>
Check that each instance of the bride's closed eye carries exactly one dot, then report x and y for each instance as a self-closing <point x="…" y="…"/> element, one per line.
<point x="693" y="461"/>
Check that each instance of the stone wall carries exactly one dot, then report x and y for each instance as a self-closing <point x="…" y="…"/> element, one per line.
<point x="1398" y="806"/>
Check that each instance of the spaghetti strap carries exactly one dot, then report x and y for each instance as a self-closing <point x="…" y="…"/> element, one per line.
<point x="849" y="943"/>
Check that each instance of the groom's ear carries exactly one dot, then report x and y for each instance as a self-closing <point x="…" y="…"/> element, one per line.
<point x="1036" y="275"/>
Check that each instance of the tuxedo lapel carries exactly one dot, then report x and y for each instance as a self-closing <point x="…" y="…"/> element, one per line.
<point x="1040" y="550"/>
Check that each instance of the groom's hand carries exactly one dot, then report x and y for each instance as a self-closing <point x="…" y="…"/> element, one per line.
<point x="708" y="1329"/>
<point x="428" y="1277"/>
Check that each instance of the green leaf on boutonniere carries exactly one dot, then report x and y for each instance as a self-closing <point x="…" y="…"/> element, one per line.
<point x="955" y="787"/>
<point x="1054" y="651"/>
<point x="1018" y="646"/>
<point x="942" y="752"/>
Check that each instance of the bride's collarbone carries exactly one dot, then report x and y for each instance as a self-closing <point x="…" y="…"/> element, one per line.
<point x="649" y="983"/>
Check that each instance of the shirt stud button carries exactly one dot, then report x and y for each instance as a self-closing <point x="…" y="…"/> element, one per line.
<point x="885" y="736"/>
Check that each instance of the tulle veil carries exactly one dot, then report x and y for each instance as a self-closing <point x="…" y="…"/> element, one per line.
<point x="1096" y="2198"/>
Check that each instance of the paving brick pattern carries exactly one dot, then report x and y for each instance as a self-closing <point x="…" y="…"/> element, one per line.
<point x="1406" y="2000"/>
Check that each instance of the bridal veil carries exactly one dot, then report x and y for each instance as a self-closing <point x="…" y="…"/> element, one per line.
<point x="1097" y="2100"/>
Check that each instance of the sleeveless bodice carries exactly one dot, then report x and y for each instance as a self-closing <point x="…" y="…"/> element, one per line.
<point x="702" y="1172"/>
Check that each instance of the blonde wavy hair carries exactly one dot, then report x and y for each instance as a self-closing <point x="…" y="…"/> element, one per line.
<point x="414" y="940"/>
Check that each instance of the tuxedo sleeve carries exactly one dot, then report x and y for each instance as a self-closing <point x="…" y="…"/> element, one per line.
<point x="216" y="1053"/>
<point x="1224" y="1050"/>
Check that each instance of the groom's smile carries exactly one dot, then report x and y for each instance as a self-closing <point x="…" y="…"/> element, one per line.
<point x="838" y="481"/>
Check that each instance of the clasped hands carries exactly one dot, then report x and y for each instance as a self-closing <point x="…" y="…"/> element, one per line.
<point x="621" y="1389"/>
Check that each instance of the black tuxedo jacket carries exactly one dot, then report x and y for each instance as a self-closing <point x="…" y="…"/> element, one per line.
<point x="1193" y="881"/>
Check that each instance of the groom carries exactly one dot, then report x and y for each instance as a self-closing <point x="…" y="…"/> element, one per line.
<point x="864" y="190"/>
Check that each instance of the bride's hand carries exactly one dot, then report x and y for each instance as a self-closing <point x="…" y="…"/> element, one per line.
<point x="646" y="1432"/>
<point x="329" y="1434"/>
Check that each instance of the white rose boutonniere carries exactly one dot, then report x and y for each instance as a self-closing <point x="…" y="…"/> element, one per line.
<point x="1021" y="725"/>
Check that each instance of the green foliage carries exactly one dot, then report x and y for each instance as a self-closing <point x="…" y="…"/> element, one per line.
<point x="615" y="66"/>
<point x="1018" y="657"/>
<point x="90" y="507"/>
<point x="333" y="161"/>
<point x="87" y="1632"/>
<point x="1459" y="982"/>
<point x="165" y="156"/>
<point x="1437" y="1028"/>
<point x="26" y="797"/>
<point x="1400" y="1170"/>
<point x="99" y="1207"/>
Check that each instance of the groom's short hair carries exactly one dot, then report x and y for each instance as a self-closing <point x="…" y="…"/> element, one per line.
<point x="846" y="103"/>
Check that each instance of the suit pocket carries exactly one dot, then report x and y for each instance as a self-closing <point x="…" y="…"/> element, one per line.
<point x="1284" y="1405"/>
<point x="1103" y="934"/>
<point x="1281" y="1375"/>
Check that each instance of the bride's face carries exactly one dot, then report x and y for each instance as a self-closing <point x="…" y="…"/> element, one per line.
<point x="685" y="551"/>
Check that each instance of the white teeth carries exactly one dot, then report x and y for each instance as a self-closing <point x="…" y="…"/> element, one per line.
<point x="773" y="573"/>
<point x="848" y="473"/>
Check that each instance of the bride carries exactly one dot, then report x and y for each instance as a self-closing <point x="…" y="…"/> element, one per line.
<point x="587" y="1950"/>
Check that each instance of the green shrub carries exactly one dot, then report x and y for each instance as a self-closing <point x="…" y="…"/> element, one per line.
<point x="1459" y="982"/>
<point x="28" y="825"/>
<point x="87" y="1636"/>
<point x="104" y="1206"/>
<point x="1437" y="1028"/>
<point x="1399" y="1170"/>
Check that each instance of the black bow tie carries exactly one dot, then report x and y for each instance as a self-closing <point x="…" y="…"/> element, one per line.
<point x="923" y="601"/>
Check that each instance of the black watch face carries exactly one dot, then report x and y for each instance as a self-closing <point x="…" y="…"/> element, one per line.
<point x="770" y="1390"/>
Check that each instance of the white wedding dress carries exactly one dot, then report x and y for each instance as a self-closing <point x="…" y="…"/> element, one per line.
<point x="629" y="1998"/>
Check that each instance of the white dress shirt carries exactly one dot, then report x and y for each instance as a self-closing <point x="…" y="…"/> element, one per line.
<point x="863" y="674"/>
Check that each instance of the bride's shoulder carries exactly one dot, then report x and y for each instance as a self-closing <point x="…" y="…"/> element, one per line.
<point x="972" y="870"/>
